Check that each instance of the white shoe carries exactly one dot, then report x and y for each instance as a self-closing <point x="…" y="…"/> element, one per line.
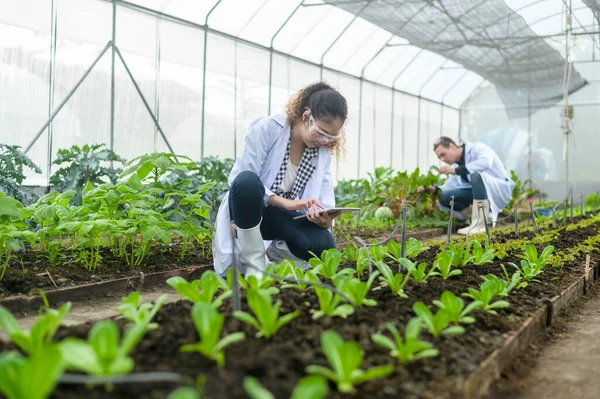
<point x="477" y="222"/>
<point x="252" y="253"/>
<point x="279" y="250"/>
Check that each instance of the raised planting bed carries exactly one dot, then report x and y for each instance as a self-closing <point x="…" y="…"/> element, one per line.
<point x="466" y="363"/>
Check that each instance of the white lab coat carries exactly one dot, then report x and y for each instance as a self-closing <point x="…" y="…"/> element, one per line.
<point x="498" y="185"/>
<point x="266" y="143"/>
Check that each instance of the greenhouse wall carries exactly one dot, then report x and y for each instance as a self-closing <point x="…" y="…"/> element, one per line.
<point x="44" y="54"/>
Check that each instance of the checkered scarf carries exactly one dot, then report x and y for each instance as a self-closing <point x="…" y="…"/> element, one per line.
<point x="305" y="171"/>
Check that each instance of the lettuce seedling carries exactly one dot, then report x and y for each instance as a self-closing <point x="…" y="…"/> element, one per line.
<point x="350" y="253"/>
<point x="346" y="357"/>
<point x="507" y="283"/>
<point x="480" y="255"/>
<point x="203" y="290"/>
<point x="436" y="325"/>
<point x="41" y="332"/>
<point x="102" y="354"/>
<point x="461" y="256"/>
<point x="33" y="377"/>
<point x="265" y="283"/>
<point x="487" y="291"/>
<point x="529" y="271"/>
<point x="395" y="282"/>
<point x="327" y="266"/>
<point x="139" y="313"/>
<point x="329" y="304"/>
<point x="408" y="349"/>
<point x="300" y="275"/>
<point x="267" y="320"/>
<point x="413" y="249"/>
<point x="355" y="289"/>
<point x="209" y="323"/>
<point x="376" y="252"/>
<point x="444" y="264"/>
<point x="309" y="387"/>
<point x="531" y="256"/>
<point x="418" y="272"/>
<point x="455" y="307"/>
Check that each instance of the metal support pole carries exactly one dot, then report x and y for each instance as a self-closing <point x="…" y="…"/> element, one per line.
<point x="516" y="218"/>
<point x="204" y="79"/>
<point x="51" y="81"/>
<point x="235" y="100"/>
<point x="403" y="145"/>
<point x="532" y="215"/>
<point x="451" y="214"/>
<point x="418" y="131"/>
<point x="392" y="130"/>
<point x="69" y="95"/>
<point x="403" y="237"/>
<point x="112" y="77"/>
<point x="144" y="100"/>
<point x="271" y="52"/>
<point x="581" y="210"/>
<point x="360" y="101"/>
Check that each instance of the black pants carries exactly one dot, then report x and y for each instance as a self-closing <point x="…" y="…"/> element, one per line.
<point x="463" y="197"/>
<point x="246" y="207"/>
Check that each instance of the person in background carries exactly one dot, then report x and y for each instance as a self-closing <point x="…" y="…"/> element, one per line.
<point x="284" y="171"/>
<point x="477" y="177"/>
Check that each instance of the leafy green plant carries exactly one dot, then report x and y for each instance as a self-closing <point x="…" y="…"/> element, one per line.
<point x="507" y="284"/>
<point x="209" y="324"/>
<point x="346" y="357"/>
<point x="438" y="324"/>
<point x="456" y="309"/>
<point x="264" y="283"/>
<point x="296" y="272"/>
<point x="536" y="262"/>
<point x="394" y="281"/>
<point x="267" y="320"/>
<point x="487" y="291"/>
<point x="309" y="387"/>
<point x="480" y="255"/>
<point x="327" y="266"/>
<point x="413" y="249"/>
<point x="138" y="313"/>
<point x="418" y="272"/>
<point x="11" y="239"/>
<point x="85" y="165"/>
<point x="33" y="377"/>
<point x="12" y="163"/>
<point x="102" y="353"/>
<point x="461" y="256"/>
<point x="152" y="167"/>
<point x="329" y="305"/>
<point x="529" y="271"/>
<point x="40" y="334"/>
<point x="355" y="289"/>
<point x="203" y="290"/>
<point x="409" y="348"/>
<point x="443" y="263"/>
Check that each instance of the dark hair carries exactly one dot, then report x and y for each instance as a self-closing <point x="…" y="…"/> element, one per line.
<point x="324" y="102"/>
<point x="443" y="141"/>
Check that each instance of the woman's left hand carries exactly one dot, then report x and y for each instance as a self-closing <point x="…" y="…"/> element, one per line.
<point x="323" y="220"/>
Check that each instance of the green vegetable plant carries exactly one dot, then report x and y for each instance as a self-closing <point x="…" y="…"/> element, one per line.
<point x="409" y="348"/>
<point x="355" y="289"/>
<point x="418" y="272"/>
<point x="508" y="283"/>
<point x="529" y="271"/>
<point x="209" y="324"/>
<point x="12" y="163"/>
<point x="413" y="249"/>
<point x="103" y="353"/>
<point x="456" y="309"/>
<point x="33" y="377"/>
<point x="394" y="281"/>
<point x="264" y="283"/>
<point x="532" y="265"/>
<point x="309" y="387"/>
<point x="443" y="263"/>
<point x="345" y="358"/>
<point x="267" y="320"/>
<point x="480" y="255"/>
<point x="41" y="333"/>
<point x="329" y="305"/>
<point x="461" y="256"/>
<point x="296" y="272"/>
<point x="327" y="266"/>
<point x="138" y="313"/>
<point x="438" y="324"/>
<point x="487" y="291"/>
<point x="203" y="290"/>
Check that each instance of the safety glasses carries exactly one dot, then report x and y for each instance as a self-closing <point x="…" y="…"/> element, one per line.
<point x="324" y="137"/>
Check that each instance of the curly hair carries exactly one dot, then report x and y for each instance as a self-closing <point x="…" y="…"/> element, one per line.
<point x="325" y="103"/>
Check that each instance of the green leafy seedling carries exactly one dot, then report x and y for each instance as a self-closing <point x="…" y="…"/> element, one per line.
<point x="33" y="377"/>
<point x="267" y="320"/>
<point x="438" y="324"/>
<point x="203" y="290"/>
<point x="309" y="387"/>
<point x="394" y="281"/>
<point x="138" y="313"/>
<point x="209" y="324"/>
<point x="355" y="289"/>
<point x="327" y="266"/>
<point x="329" y="305"/>
<point x="480" y="255"/>
<point x="487" y="291"/>
<point x="408" y="349"/>
<point x="456" y="309"/>
<point x="345" y="358"/>
<point x="444" y="264"/>
<point x="418" y="272"/>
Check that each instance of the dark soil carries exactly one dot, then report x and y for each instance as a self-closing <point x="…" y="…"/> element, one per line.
<point x="280" y="362"/>
<point x="69" y="272"/>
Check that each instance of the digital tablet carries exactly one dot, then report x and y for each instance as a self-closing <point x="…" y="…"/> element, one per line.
<point x="333" y="210"/>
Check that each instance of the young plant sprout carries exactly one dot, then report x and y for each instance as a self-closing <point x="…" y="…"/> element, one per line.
<point x="394" y="281"/>
<point x="456" y="308"/>
<point x="267" y="320"/>
<point x="203" y="290"/>
<point x="327" y="266"/>
<point x="409" y="348"/>
<point x="488" y="290"/>
<point x="418" y="272"/>
<point x="139" y="313"/>
<point x="438" y="324"/>
<point x="355" y="289"/>
<point x="329" y="304"/>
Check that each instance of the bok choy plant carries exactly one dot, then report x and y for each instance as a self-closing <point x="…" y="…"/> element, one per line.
<point x="409" y="348"/>
<point x="327" y="266"/>
<point x="203" y="290"/>
<point x="487" y="291"/>
<point x="209" y="324"/>
<point x="138" y="313"/>
<point x="438" y="324"/>
<point x="346" y="357"/>
<point x="355" y="289"/>
<point x="394" y="281"/>
<point x="267" y="320"/>
<point x="456" y="308"/>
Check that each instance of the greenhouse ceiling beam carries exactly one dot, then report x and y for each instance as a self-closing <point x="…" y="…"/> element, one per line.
<point x="271" y="51"/>
<point x="570" y="8"/>
<point x="204" y="79"/>
<point x="444" y="98"/>
<point x="335" y="4"/>
<point x="249" y="43"/>
<point x="251" y="18"/>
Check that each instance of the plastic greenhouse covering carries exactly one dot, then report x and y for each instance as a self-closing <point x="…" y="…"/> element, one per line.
<point x="189" y="76"/>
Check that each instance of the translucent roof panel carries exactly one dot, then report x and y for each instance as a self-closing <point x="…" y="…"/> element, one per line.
<point x="419" y="72"/>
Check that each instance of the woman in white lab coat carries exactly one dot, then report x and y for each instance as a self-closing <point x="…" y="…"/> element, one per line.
<point x="284" y="171"/>
<point x="476" y="176"/>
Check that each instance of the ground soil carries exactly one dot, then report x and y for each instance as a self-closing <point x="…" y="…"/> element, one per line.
<point x="280" y="362"/>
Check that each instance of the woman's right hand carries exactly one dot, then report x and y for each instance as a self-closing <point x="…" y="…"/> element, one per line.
<point x="304" y="203"/>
